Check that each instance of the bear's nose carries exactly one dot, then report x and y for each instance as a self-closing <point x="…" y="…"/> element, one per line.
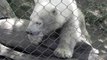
<point x="28" y="32"/>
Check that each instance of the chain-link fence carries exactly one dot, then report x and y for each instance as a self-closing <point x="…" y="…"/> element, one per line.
<point x="15" y="18"/>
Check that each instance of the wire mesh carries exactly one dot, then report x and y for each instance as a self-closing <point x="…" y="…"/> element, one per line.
<point x="15" y="18"/>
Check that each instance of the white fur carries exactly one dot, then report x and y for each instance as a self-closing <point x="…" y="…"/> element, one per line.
<point x="66" y="17"/>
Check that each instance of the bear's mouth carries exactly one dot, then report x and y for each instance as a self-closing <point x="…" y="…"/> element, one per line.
<point x="35" y="39"/>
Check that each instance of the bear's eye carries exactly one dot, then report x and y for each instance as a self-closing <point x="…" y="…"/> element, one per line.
<point x="54" y="12"/>
<point x="38" y="23"/>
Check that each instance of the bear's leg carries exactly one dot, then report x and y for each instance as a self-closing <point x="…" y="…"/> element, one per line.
<point x="68" y="40"/>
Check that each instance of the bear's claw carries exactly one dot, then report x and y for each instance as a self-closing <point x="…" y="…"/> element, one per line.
<point x="63" y="53"/>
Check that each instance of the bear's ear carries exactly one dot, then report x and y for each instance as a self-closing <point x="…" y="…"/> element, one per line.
<point x="54" y="12"/>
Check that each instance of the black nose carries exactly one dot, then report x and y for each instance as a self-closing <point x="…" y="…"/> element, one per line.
<point x="28" y="32"/>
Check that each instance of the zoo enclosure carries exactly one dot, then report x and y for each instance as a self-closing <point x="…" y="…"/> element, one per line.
<point x="95" y="19"/>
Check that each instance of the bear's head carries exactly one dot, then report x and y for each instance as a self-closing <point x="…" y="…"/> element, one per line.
<point x="43" y="21"/>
